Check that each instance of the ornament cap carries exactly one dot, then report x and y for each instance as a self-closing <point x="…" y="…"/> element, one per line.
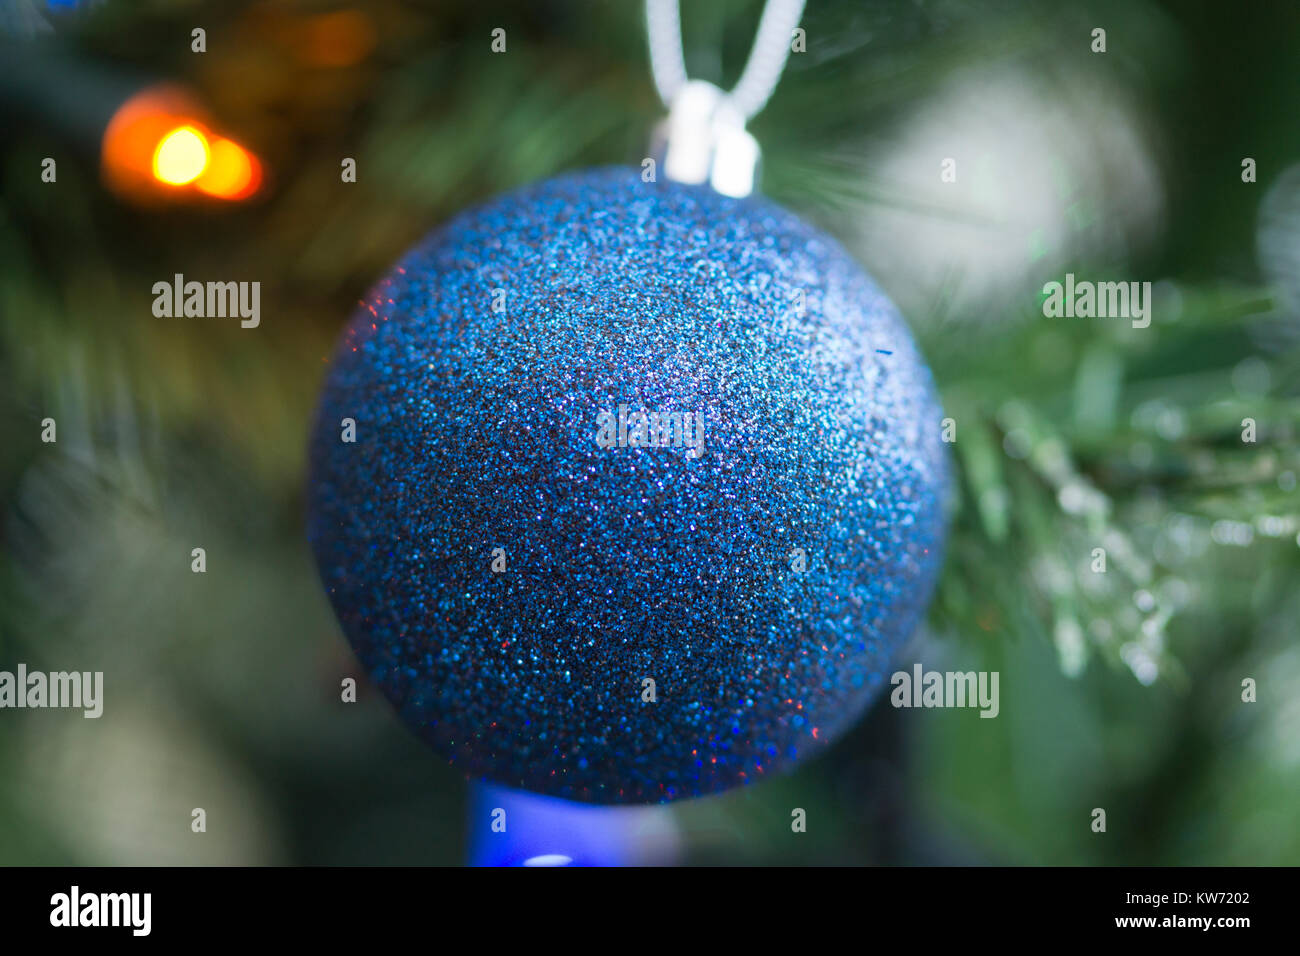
<point x="704" y="141"/>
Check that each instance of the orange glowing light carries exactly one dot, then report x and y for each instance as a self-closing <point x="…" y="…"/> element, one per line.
<point x="181" y="157"/>
<point x="159" y="145"/>
<point x="232" y="173"/>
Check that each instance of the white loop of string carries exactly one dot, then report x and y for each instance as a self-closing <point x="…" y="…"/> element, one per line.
<point x="761" y="73"/>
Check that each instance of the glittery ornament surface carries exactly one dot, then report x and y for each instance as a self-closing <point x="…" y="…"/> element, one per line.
<point x="762" y="577"/>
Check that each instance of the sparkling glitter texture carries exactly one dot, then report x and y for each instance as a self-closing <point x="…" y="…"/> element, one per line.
<point x="762" y="586"/>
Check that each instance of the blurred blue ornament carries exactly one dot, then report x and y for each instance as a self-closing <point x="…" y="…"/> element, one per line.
<point x="513" y="828"/>
<point x="566" y="595"/>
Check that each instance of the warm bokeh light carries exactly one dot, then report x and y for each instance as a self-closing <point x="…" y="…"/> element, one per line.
<point x="181" y="156"/>
<point x="159" y="144"/>
<point x="232" y="172"/>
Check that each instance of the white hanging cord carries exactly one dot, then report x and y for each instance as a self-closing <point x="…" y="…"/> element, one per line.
<point x="664" y="30"/>
<point x="761" y="73"/>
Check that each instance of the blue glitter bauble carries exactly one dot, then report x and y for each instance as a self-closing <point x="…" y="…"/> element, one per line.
<point x="763" y="586"/>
